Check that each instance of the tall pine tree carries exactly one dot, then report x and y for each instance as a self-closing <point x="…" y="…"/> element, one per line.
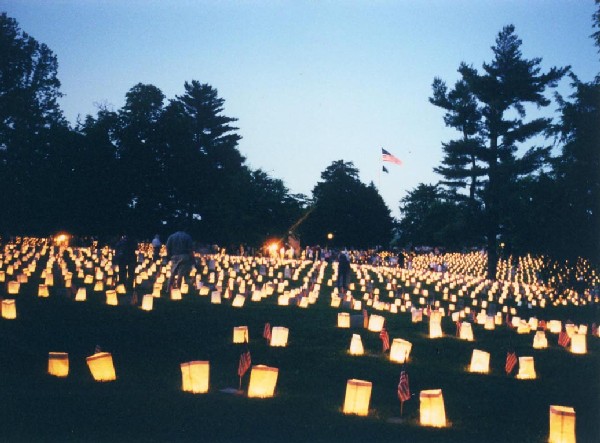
<point x="502" y="91"/>
<point x="460" y="166"/>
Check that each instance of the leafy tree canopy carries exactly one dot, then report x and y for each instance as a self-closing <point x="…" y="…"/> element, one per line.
<point x="354" y="213"/>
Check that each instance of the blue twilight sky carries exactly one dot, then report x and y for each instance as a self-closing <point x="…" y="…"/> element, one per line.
<point x="311" y="82"/>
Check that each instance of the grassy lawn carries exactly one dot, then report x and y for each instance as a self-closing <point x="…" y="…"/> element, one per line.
<point x="146" y="402"/>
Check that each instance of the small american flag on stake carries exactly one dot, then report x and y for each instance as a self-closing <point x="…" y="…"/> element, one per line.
<point x="563" y="339"/>
<point x="267" y="331"/>
<point x="245" y="362"/>
<point x="385" y="339"/>
<point x="458" y="328"/>
<point x="97" y="349"/>
<point x="403" y="388"/>
<point x="511" y="361"/>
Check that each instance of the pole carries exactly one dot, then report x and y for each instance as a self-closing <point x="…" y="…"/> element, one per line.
<point x="401" y="407"/>
<point x="379" y="173"/>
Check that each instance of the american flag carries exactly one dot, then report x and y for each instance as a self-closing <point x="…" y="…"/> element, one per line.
<point x="458" y="328"/>
<point x="508" y="321"/>
<point x="267" y="331"/>
<point x="511" y="361"/>
<point x="385" y="338"/>
<point x="387" y="157"/>
<point x="594" y="329"/>
<point x="245" y="362"/>
<point x="403" y="388"/>
<point x="365" y="318"/>
<point x="563" y="339"/>
<point x="97" y="349"/>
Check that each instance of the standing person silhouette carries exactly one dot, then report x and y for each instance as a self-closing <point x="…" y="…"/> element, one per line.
<point x="180" y="250"/>
<point x="125" y="257"/>
<point x="343" y="272"/>
<point x="156" y="244"/>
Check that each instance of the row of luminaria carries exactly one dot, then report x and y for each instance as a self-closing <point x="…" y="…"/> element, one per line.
<point x="263" y="380"/>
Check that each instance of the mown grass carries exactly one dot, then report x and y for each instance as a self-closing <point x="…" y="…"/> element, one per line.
<point x="146" y="402"/>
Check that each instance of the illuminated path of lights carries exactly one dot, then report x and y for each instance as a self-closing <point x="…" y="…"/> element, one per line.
<point x="460" y="302"/>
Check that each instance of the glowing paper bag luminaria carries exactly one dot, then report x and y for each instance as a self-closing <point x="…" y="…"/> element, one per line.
<point x="432" y="411"/>
<point x="263" y="380"/>
<point x="101" y="366"/>
<point x="358" y="396"/>
<point x="195" y="376"/>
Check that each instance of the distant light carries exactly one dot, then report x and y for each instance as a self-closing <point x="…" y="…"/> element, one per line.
<point x="62" y="239"/>
<point x="273" y="248"/>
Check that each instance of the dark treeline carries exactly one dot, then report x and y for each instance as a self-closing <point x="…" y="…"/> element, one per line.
<point x="152" y="166"/>
<point x="160" y="162"/>
<point x="495" y="190"/>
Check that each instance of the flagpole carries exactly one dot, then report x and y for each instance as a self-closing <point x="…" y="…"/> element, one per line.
<point x="379" y="175"/>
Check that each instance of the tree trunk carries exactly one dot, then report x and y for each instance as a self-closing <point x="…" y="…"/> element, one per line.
<point x="492" y="209"/>
<point x="473" y="186"/>
<point x="492" y="263"/>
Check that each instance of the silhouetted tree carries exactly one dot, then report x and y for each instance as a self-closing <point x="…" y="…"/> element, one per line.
<point x="140" y="170"/>
<point x="145" y="167"/>
<point x="596" y="24"/>
<point x="577" y="169"/>
<point x="460" y="165"/>
<point x="344" y="206"/>
<point x="273" y="211"/>
<point x="561" y="209"/>
<point x="206" y="174"/>
<point x="507" y="84"/>
<point x="101" y="205"/>
<point x="429" y="217"/>
<point x="29" y="113"/>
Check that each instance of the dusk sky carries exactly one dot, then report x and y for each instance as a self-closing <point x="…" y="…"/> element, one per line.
<point x="311" y="82"/>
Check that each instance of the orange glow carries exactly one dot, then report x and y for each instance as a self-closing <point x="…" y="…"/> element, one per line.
<point x="62" y="239"/>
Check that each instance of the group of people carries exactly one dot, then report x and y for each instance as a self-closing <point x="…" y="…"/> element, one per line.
<point x="344" y="258"/>
<point x="180" y="251"/>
